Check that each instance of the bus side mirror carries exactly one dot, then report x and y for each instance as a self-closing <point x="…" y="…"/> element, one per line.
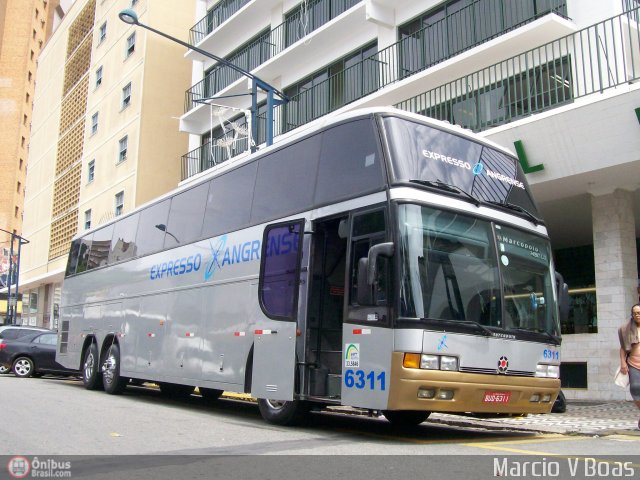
<point x="563" y="298"/>
<point x="364" y="289"/>
<point x="384" y="249"/>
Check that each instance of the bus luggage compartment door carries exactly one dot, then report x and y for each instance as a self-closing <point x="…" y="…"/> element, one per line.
<point x="274" y="362"/>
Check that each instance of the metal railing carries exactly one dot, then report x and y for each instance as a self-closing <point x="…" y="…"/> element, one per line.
<point x="215" y="17"/>
<point x="591" y="60"/>
<point x="267" y="45"/>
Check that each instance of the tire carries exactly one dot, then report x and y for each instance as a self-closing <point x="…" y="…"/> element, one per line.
<point x="282" y="413"/>
<point x="23" y="367"/>
<point x="173" y="390"/>
<point x="4" y="370"/>
<point x="113" y="383"/>
<point x="406" y="418"/>
<point x="91" y="377"/>
<point x="210" y="394"/>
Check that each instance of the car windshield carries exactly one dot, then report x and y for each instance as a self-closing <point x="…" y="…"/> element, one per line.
<point x="453" y="268"/>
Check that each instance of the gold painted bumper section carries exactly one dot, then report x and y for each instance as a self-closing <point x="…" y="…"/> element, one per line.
<point x="469" y="390"/>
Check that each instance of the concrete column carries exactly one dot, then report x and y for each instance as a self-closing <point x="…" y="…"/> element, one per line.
<point x="614" y="245"/>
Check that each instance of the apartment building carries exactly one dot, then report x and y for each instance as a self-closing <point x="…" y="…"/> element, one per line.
<point x="554" y="80"/>
<point x="25" y="26"/>
<point x="104" y="136"/>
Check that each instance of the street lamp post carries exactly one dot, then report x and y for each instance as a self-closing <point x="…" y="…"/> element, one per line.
<point x="131" y="17"/>
<point x="14" y="272"/>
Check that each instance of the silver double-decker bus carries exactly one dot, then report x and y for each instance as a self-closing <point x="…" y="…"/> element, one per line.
<point x="376" y="259"/>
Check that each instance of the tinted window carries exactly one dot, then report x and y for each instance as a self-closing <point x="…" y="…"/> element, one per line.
<point x="123" y="244"/>
<point x="73" y="257"/>
<point x="229" y="201"/>
<point x="279" y="272"/>
<point x="83" y="254"/>
<point x="185" y="217"/>
<point x="350" y="162"/>
<point x="285" y="181"/>
<point x="46" y="339"/>
<point x="100" y="247"/>
<point x="10" y="334"/>
<point x="153" y="221"/>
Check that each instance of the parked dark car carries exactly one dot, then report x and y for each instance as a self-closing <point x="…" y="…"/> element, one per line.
<point x="12" y="332"/>
<point x="33" y="354"/>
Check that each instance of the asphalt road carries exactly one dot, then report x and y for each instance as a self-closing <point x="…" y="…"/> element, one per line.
<point x="142" y="434"/>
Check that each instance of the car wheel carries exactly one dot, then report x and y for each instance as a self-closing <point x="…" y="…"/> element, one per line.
<point x="282" y="412"/>
<point x="4" y="369"/>
<point x="91" y="369"/>
<point x="23" y="367"/>
<point x="111" y="379"/>
<point x="406" y="418"/>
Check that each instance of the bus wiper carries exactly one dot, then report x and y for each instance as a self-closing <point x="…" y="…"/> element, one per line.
<point x="447" y="188"/>
<point x="551" y="337"/>
<point x="512" y="206"/>
<point x="485" y="331"/>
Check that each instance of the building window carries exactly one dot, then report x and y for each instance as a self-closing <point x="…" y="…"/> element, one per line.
<point x="122" y="156"/>
<point x="34" y="34"/>
<point x="126" y="95"/>
<point x="30" y="76"/>
<point x="119" y="203"/>
<point x="99" y="76"/>
<point x="32" y="55"/>
<point x="94" y="123"/>
<point x="87" y="219"/>
<point x="21" y="164"/>
<point x="91" y="171"/>
<point x="103" y="33"/>
<point x="19" y="187"/>
<point x="27" y="97"/>
<point x="37" y="13"/>
<point x="131" y="45"/>
<point x="17" y="211"/>
<point x="134" y="3"/>
<point x="25" y="119"/>
<point x="22" y="142"/>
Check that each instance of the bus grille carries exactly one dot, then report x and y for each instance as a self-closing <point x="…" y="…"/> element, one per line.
<point x="490" y="371"/>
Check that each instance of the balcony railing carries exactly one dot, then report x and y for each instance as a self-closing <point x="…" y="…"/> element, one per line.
<point x="592" y="60"/>
<point x="269" y="44"/>
<point x="215" y="17"/>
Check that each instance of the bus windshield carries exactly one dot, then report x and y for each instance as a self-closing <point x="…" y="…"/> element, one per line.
<point x="454" y="268"/>
<point x="422" y="154"/>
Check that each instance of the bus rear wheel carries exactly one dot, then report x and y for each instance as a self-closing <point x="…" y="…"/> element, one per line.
<point x="91" y="369"/>
<point x="113" y="382"/>
<point x="281" y="412"/>
<point x="406" y="418"/>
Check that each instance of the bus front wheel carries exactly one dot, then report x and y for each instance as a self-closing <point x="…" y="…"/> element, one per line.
<point x="282" y="412"/>
<point x="406" y="418"/>
<point x="91" y="377"/>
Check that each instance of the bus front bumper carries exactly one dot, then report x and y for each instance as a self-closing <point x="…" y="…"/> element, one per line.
<point x="470" y="392"/>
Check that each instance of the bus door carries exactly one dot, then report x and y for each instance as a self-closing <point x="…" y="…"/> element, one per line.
<point x="367" y="336"/>
<point x="275" y="337"/>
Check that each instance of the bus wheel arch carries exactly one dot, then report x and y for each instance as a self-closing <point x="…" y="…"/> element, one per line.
<point x="406" y="418"/>
<point x="90" y="367"/>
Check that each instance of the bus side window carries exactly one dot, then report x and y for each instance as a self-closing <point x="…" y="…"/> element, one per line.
<point x="83" y="256"/>
<point x="280" y="270"/>
<point x="73" y="257"/>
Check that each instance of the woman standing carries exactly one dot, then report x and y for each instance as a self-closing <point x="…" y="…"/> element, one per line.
<point x="630" y="353"/>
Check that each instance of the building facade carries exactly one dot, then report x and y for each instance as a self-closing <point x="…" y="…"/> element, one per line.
<point x="104" y="136"/>
<point x="554" y="80"/>
<point x="25" y="26"/>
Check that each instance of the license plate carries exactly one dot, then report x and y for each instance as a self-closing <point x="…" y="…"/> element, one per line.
<point x="497" y="397"/>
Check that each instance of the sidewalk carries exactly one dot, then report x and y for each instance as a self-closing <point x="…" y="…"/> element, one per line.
<point x="581" y="418"/>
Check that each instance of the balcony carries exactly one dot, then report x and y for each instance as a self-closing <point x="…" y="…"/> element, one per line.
<point x="215" y="17"/>
<point x="570" y="65"/>
<point x="597" y="58"/>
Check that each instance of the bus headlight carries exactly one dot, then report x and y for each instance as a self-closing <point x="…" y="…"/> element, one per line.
<point x="547" y="371"/>
<point x="448" y="363"/>
<point x="430" y="362"/>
